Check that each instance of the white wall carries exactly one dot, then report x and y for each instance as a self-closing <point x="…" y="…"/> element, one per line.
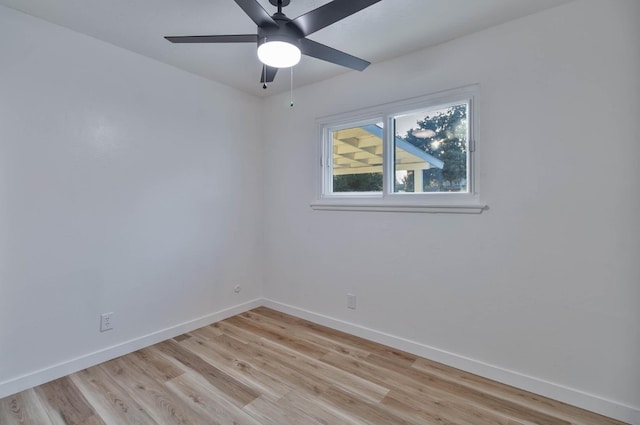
<point x="546" y="283"/>
<point x="126" y="186"/>
<point x="130" y="186"/>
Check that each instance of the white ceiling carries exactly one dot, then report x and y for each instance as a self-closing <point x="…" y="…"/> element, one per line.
<point x="385" y="30"/>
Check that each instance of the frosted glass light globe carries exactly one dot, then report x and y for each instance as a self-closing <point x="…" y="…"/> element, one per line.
<point x="279" y="54"/>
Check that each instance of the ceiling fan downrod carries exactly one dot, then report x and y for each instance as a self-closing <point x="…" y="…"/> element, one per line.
<point x="280" y="4"/>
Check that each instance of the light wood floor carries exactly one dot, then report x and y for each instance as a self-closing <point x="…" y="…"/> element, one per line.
<point x="264" y="367"/>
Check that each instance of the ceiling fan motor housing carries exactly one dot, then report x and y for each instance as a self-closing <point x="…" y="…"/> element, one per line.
<point x="289" y="33"/>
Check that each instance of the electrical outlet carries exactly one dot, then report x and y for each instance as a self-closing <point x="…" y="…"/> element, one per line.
<point x="351" y="301"/>
<point x="106" y="322"/>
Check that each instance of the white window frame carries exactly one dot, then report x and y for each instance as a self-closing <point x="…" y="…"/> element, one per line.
<point x="387" y="200"/>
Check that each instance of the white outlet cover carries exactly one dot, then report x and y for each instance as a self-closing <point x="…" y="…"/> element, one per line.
<point x="351" y="301"/>
<point x="106" y="322"/>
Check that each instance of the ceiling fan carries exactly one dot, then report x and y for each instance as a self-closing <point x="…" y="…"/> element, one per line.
<point x="281" y="41"/>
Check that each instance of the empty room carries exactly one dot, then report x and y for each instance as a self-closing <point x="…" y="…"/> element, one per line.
<point x="320" y="212"/>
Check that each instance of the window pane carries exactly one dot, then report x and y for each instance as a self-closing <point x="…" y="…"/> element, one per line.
<point x="357" y="159"/>
<point x="431" y="150"/>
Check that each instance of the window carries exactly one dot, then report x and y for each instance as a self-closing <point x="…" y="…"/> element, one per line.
<point x="417" y="155"/>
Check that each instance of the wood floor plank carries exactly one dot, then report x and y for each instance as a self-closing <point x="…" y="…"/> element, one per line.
<point x="270" y="364"/>
<point x="237" y="366"/>
<point x="238" y="392"/>
<point x="370" y="413"/>
<point x="251" y="350"/>
<point x="440" y="409"/>
<point x="195" y="391"/>
<point x="299" y="331"/>
<point x="153" y="396"/>
<point x="156" y="365"/>
<point x="234" y="331"/>
<point x="279" y="369"/>
<point x="271" y="413"/>
<point x="24" y="408"/>
<point x="182" y="337"/>
<point x="266" y="367"/>
<point x="391" y="354"/>
<point x="273" y="333"/>
<point x="63" y="399"/>
<point x="207" y="332"/>
<point x="324" y="372"/>
<point x="422" y="411"/>
<point x="405" y="388"/>
<point x="312" y="405"/>
<point x="112" y="402"/>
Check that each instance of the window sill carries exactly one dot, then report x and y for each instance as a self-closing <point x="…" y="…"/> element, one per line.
<point x="331" y="205"/>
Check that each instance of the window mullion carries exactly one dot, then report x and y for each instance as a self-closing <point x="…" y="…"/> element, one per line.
<point x="388" y="173"/>
<point x="327" y="165"/>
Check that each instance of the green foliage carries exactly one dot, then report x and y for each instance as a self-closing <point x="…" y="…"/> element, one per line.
<point x="408" y="182"/>
<point x="366" y="182"/>
<point x="449" y="144"/>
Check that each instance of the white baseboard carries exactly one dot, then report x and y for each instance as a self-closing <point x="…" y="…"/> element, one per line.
<point x="558" y="392"/>
<point x="59" y="370"/>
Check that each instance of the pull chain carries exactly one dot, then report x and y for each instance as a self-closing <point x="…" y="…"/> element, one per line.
<point x="291" y="90"/>
<point x="264" y="78"/>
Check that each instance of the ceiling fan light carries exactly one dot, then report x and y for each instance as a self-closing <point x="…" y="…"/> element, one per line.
<point x="279" y="54"/>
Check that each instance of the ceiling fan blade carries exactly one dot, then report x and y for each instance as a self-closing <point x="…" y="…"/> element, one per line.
<point x="328" y="14"/>
<point x="256" y="12"/>
<point x="234" y="38"/>
<point x="268" y="72"/>
<point x="329" y="54"/>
